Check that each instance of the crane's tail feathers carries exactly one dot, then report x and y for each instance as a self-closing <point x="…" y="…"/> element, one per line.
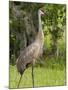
<point x="19" y="82"/>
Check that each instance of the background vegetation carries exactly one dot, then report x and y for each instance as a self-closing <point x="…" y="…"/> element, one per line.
<point x="50" y="69"/>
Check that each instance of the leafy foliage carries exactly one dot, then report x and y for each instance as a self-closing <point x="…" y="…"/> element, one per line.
<point x="55" y="22"/>
<point x="23" y="21"/>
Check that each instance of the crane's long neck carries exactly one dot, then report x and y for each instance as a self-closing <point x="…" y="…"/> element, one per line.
<point x="40" y="22"/>
<point x="40" y="35"/>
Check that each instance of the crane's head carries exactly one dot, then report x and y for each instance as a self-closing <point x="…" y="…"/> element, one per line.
<point x="42" y="12"/>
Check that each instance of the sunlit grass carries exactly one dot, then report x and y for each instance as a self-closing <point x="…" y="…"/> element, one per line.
<point x="52" y="74"/>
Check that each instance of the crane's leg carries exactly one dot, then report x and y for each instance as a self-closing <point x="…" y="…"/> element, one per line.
<point x="19" y="82"/>
<point x="33" y="74"/>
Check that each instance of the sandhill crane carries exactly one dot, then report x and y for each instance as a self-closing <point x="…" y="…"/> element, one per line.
<point x="32" y="52"/>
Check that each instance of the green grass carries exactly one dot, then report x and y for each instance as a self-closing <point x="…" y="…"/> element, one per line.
<point x="52" y="74"/>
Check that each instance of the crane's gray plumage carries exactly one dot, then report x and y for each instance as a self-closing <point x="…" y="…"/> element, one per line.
<point x="33" y="51"/>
